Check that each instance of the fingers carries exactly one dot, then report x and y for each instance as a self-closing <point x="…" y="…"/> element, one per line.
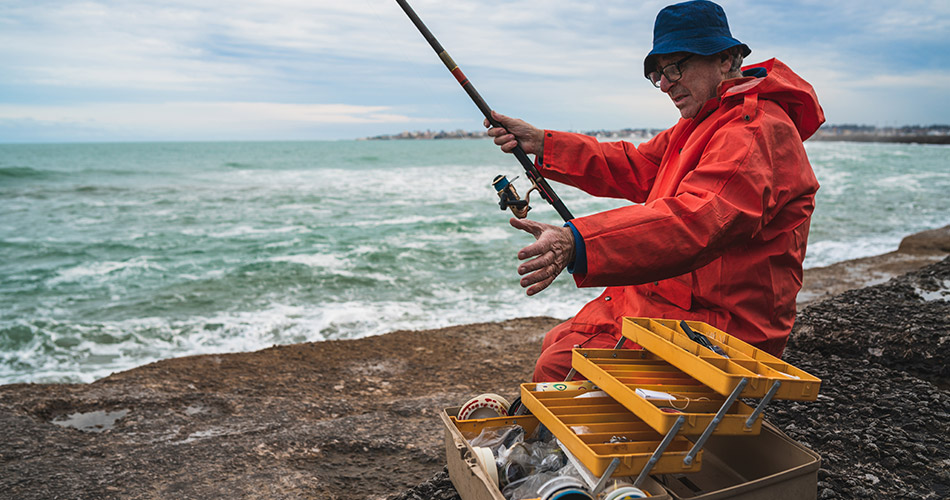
<point x="540" y="286"/>
<point x="541" y="278"/>
<point x="537" y="230"/>
<point x="500" y="118"/>
<point x="503" y="122"/>
<point x="542" y="261"/>
<point x="502" y="138"/>
<point x="507" y="143"/>
<point x="539" y="247"/>
<point x="527" y="225"/>
<point x="503" y="135"/>
<point x="550" y="238"/>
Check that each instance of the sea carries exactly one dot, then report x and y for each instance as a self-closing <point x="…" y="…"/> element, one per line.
<point x="117" y="255"/>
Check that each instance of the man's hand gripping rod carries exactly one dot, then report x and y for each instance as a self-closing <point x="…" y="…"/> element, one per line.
<point x="508" y="196"/>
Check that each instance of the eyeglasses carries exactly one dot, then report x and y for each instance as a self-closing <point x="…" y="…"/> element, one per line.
<point x="673" y="72"/>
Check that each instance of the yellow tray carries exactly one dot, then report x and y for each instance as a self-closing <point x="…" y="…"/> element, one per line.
<point x="586" y="426"/>
<point x="667" y="340"/>
<point x="619" y="372"/>
<point x="470" y="429"/>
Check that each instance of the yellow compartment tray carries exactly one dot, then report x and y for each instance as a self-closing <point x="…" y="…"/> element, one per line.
<point x="587" y="425"/>
<point x="470" y="429"/>
<point x="667" y="340"/>
<point x="620" y="372"/>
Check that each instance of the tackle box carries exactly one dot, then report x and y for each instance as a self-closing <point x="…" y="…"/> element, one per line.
<point x="617" y="417"/>
<point x="624" y="373"/>
<point x="761" y="370"/>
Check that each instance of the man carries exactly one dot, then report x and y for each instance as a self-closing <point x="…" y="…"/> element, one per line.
<point x="723" y="199"/>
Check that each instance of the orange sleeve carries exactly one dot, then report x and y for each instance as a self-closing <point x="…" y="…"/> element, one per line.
<point x="609" y="169"/>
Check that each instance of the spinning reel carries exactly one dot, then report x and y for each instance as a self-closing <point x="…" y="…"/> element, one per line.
<point x="508" y="196"/>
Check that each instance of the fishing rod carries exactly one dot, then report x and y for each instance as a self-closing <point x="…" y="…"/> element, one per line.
<point x="508" y="197"/>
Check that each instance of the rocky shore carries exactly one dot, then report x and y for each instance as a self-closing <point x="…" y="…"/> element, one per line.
<point x="356" y="419"/>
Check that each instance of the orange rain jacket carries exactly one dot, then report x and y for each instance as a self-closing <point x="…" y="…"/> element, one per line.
<point x="719" y="230"/>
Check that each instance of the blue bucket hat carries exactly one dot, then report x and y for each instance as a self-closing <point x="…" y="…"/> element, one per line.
<point x="698" y="27"/>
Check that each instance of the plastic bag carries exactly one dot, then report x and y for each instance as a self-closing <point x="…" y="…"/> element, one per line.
<point x="497" y="437"/>
<point x="528" y="486"/>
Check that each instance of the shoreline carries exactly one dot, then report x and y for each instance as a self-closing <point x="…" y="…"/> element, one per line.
<point x="357" y="419"/>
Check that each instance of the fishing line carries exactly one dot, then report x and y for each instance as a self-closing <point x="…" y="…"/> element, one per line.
<point x="688" y="401"/>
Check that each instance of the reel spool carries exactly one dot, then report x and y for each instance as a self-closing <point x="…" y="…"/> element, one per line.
<point x="564" y="488"/>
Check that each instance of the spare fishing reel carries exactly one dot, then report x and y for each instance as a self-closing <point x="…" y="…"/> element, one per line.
<point x="508" y="196"/>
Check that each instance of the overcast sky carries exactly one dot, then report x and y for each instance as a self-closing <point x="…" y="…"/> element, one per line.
<point x="317" y="69"/>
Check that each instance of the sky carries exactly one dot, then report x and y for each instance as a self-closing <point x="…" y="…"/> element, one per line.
<point x="200" y="70"/>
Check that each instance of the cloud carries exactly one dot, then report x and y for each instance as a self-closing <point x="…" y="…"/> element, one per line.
<point x="569" y="64"/>
<point x="205" y="112"/>
<point x="184" y="120"/>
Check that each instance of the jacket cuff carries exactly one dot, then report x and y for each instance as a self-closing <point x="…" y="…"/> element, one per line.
<point x="579" y="265"/>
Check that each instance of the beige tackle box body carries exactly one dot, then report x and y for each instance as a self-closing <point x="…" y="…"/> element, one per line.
<point x="768" y="466"/>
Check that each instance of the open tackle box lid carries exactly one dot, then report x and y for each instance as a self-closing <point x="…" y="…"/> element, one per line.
<point x="722" y="373"/>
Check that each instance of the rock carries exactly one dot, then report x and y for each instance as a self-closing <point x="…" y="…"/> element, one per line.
<point x="934" y="241"/>
<point x="266" y="424"/>
<point x="827" y="493"/>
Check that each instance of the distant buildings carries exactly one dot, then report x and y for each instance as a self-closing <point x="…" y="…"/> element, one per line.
<point x="428" y="134"/>
<point x="627" y="133"/>
<point x="932" y="134"/>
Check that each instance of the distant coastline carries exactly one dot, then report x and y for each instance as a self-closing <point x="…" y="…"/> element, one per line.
<point x="627" y="133"/>
<point x="911" y="134"/>
<point x="933" y="134"/>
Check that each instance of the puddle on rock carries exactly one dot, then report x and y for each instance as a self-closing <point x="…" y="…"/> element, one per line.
<point x="93" y="421"/>
<point x="942" y="293"/>
<point x="195" y="409"/>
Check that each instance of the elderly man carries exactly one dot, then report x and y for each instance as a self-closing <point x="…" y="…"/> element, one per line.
<point x="721" y="201"/>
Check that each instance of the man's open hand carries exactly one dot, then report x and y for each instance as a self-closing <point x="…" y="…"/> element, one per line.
<point x="552" y="252"/>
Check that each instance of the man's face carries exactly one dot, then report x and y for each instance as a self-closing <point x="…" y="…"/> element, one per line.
<point x="700" y="78"/>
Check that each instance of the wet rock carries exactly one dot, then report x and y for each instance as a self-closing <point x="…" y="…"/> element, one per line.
<point x="887" y="443"/>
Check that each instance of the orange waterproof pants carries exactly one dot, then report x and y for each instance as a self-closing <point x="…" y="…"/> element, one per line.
<point x="555" y="360"/>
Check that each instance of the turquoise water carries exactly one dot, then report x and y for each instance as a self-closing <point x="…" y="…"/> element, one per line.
<point x="115" y="255"/>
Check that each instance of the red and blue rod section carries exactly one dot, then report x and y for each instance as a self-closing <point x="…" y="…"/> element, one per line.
<point x="532" y="172"/>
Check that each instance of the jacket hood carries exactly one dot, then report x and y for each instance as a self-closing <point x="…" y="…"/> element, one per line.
<point x="781" y="85"/>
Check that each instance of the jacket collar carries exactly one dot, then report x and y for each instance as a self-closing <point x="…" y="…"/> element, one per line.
<point x="726" y="89"/>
